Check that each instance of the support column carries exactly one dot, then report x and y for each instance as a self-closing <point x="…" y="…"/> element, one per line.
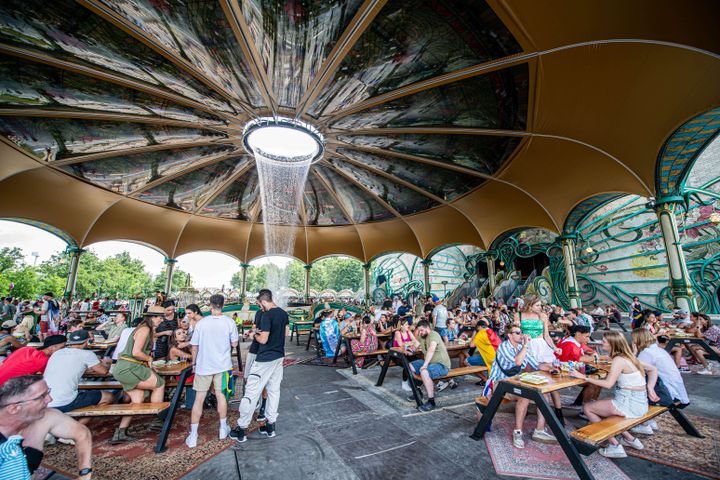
<point x="74" y="253"/>
<point x="366" y="271"/>
<point x="308" y="271"/>
<point x="680" y="285"/>
<point x="568" y="248"/>
<point x="169" y="269"/>
<point x="426" y="276"/>
<point x="243" y="281"/>
<point x="490" y="260"/>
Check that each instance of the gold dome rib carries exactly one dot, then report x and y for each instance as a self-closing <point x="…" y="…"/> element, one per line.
<point x="237" y="23"/>
<point x="109" y="77"/>
<point x="360" y="22"/>
<point x="131" y="151"/>
<point x="111" y="117"/>
<point x="191" y="168"/>
<point x="123" y="24"/>
<point x="334" y="133"/>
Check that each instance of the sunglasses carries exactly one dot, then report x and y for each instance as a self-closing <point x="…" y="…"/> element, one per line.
<point x="516" y="332"/>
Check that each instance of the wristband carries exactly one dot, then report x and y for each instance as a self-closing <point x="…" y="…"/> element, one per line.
<point x="84" y="471"/>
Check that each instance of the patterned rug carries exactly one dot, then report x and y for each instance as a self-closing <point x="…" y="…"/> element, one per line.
<point x="673" y="447"/>
<point x="138" y="461"/>
<point x="538" y="460"/>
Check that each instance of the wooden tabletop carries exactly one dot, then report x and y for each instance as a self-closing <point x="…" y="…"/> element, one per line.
<point x="171" y="370"/>
<point x="302" y="324"/>
<point x="555" y="382"/>
<point x="453" y="346"/>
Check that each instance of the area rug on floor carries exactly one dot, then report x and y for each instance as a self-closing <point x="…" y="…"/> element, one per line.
<point x="138" y="461"/>
<point x="538" y="460"/>
<point x="673" y="447"/>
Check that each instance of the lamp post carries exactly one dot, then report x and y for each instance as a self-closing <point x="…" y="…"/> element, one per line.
<point x="444" y="282"/>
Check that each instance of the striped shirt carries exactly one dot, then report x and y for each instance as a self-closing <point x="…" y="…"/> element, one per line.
<point x="13" y="465"/>
<point x="506" y="357"/>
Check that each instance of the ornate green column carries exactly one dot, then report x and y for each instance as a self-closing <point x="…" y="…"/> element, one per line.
<point x="243" y="281"/>
<point x="426" y="276"/>
<point x="680" y="286"/>
<point x="490" y="260"/>
<point x="308" y="269"/>
<point x="74" y="253"/>
<point x="568" y="249"/>
<point x="366" y="271"/>
<point x="169" y="270"/>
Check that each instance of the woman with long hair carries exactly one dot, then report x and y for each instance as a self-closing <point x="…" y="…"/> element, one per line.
<point x="179" y="346"/>
<point x="627" y="374"/>
<point x="368" y="341"/>
<point x="702" y="327"/>
<point x="134" y="370"/>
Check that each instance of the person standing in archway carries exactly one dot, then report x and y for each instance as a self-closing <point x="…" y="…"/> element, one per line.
<point x="267" y="369"/>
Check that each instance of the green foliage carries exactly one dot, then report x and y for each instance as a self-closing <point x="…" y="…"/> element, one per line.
<point x="10" y="258"/>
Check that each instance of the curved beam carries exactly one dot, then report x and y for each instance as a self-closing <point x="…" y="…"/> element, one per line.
<point x="342" y="207"/>
<point x="362" y="19"/>
<point x="111" y="117"/>
<point x="191" y="168"/>
<point x="411" y="186"/>
<point x="334" y="133"/>
<point x="374" y="196"/>
<point x="218" y="190"/>
<point x="237" y="23"/>
<point x="138" y="150"/>
<point x="107" y="77"/>
<point x="123" y="24"/>
<point x="489" y="67"/>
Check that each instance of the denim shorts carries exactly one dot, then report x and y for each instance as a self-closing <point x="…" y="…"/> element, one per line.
<point x="84" y="398"/>
<point x="435" y="370"/>
<point x="442" y="331"/>
<point x="476" y="361"/>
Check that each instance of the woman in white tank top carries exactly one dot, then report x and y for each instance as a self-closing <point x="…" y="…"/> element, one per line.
<point x="627" y="375"/>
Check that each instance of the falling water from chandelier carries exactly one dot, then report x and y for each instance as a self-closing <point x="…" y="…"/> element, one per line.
<point x="284" y="150"/>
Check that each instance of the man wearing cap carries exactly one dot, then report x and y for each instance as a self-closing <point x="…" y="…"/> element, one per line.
<point x="29" y="360"/>
<point x="65" y="369"/>
<point x="682" y="318"/>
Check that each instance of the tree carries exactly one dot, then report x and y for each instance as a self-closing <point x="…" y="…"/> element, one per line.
<point x="11" y="259"/>
<point x="256" y="277"/>
<point x="181" y="279"/>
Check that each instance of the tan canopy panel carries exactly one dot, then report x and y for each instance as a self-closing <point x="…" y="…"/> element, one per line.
<point x="444" y="122"/>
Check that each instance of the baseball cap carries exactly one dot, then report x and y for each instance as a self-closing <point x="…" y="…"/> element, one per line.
<point x="9" y="324"/>
<point x="53" y="340"/>
<point x="435" y="298"/>
<point x="76" y="338"/>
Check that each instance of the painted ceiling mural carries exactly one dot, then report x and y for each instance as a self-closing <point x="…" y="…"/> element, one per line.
<point x="148" y="98"/>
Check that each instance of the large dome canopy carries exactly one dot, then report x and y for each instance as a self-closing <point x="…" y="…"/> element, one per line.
<point x="444" y="122"/>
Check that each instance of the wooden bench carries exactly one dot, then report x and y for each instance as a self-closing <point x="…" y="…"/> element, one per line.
<point x="121" y="409"/>
<point x="595" y="433"/>
<point x="459" y="372"/>
<point x="113" y="384"/>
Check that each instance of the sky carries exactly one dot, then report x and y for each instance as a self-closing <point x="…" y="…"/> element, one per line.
<point x="207" y="269"/>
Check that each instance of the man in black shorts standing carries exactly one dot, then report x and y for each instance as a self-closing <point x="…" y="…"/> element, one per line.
<point x="267" y="369"/>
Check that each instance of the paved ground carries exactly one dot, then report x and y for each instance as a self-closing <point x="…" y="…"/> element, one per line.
<point x="336" y="426"/>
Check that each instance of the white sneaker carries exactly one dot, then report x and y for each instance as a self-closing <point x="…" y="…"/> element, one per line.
<point x="642" y="429"/>
<point x="613" y="451"/>
<point x="224" y="432"/>
<point x="191" y="441"/>
<point x="66" y="441"/>
<point x="652" y="424"/>
<point x="518" y="441"/>
<point x="406" y="386"/>
<point x="543" y="437"/>
<point x="704" y="371"/>
<point x="684" y="370"/>
<point x="442" y="386"/>
<point x="636" y="443"/>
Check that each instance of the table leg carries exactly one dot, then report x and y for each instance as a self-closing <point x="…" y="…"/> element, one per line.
<point x="174" y="403"/>
<point x="351" y="357"/>
<point x="310" y="335"/>
<point x="489" y="412"/>
<point x="384" y="369"/>
<point x="411" y="379"/>
<point x="571" y="452"/>
<point x="685" y="422"/>
<point x="338" y="348"/>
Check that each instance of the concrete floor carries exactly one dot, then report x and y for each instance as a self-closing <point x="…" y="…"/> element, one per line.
<point x="334" y="425"/>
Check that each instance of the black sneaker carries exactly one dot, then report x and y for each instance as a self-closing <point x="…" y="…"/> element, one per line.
<point x="426" y="407"/>
<point x="411" y="398"/>
<point x="267" y="429"/>
<point x="238" y="434"/>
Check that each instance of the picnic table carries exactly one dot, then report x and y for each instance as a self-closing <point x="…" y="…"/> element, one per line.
<point x="347" y="339"/>
<point x="679" y="338"/>
<point x="296" y="330"/>
<point x="536" y="393"/>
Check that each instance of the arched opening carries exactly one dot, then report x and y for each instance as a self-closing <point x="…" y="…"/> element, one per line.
<point x="529" y="265"/>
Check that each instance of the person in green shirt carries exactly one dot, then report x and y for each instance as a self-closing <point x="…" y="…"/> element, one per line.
<point x="435" y="364"/>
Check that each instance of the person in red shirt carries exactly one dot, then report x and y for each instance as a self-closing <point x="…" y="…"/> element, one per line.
<point x="29" y="360"/>
<point x="575" y="349"/>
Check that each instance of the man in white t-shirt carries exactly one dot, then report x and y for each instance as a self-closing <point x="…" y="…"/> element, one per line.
<point x="474" y="305"/>
<point x="212" y="343"/>
<point x="439" y="318"/>
<point x="64" y="371"/>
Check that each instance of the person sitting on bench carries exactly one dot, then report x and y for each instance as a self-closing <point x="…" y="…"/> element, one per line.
<point x="405" y="340"/>
<point x="435" y="364"/>
<point x="649" y="352"/>
<point x="631" y="395"/>
<point x="368" y="341"/>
